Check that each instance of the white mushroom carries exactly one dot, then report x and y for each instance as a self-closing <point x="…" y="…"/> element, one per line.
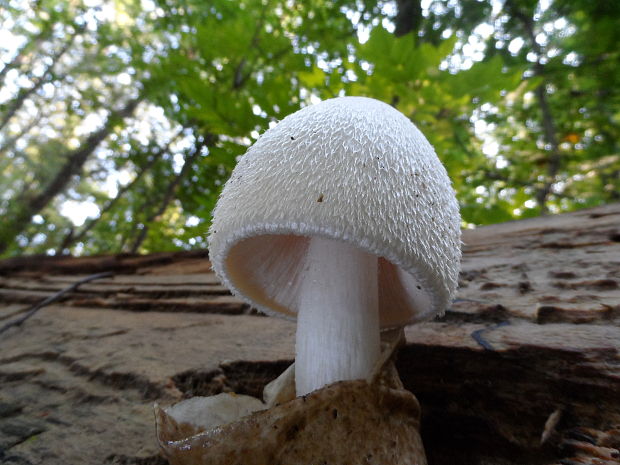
<point x="343" y="217"/>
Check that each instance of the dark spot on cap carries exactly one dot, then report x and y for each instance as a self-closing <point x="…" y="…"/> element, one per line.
<point x="292" y="138"/>
<point x="320" y="199"/>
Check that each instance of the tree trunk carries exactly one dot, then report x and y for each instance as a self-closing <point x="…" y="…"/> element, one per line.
<point x="29" y="206"/>
<point x="548" y="122"/>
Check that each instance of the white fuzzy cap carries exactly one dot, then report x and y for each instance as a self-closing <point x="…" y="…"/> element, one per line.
<point x="352" y="169"/>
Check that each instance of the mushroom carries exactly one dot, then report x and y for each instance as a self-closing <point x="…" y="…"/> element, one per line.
<point x="342" y="217"/>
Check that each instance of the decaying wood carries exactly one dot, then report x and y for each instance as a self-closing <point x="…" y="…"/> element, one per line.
<point x="523" y="369"/>
<point x="194" y="289"/>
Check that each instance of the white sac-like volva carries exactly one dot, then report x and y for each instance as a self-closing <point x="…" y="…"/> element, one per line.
<point x="351" y="169"/>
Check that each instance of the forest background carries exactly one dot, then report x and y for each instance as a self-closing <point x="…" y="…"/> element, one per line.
<point x="121" y="120"/>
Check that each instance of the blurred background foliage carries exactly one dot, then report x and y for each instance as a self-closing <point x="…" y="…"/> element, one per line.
<point x="120" y="120"/>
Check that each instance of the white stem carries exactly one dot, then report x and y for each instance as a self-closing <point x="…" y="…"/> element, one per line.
<point x="338" y="316"/>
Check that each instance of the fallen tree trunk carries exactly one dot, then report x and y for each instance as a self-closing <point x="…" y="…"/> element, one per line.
<point x="523" y="369"/>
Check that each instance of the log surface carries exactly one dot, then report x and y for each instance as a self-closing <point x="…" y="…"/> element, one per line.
<point x="524" y="368"/>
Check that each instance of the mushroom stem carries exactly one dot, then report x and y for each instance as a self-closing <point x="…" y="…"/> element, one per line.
<point x="338" y="316"/>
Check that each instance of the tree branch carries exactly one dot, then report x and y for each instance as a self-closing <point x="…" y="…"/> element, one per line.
<point x="240" y="78"/>
<point x="207" y="141"/>
<point x="17" y="60"/>
<point x="23" y="94"/>
<point x="72" y="237"/>
<point x="9" y="143"/>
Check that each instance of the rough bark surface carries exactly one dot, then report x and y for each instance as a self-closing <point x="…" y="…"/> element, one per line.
<point x="523" y="369"/>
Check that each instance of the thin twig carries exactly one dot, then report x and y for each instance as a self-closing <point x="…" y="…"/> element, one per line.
<point x="53" y="298"/>
<point x="478" y="335"/>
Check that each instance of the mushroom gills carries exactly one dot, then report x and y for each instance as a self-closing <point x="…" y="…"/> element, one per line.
<point x="338" y="315"/>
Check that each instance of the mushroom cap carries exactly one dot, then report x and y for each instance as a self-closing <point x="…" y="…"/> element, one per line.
<point x="351" y="169"/>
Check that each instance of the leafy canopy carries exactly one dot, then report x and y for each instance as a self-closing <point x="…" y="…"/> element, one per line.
<point x="120" y="121"/>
